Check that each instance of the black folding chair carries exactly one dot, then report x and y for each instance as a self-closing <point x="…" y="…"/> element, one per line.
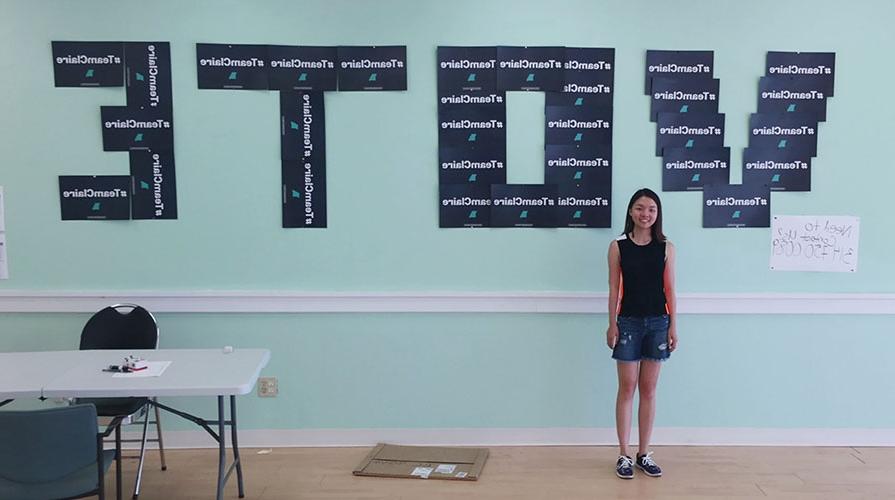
<point x="125" y="326"/>
<point x="53" y="453"/>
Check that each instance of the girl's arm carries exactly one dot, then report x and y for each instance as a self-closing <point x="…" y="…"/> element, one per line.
<point x="670" y="297"/>
<point x="615" y="277"/>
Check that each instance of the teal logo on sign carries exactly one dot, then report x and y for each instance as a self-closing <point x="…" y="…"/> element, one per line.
<point x="695" y="178"/>
<point x="139" y="77"/>
<point x="578" y="137"/>
<point x="471" y="77"/>
<point x="303" y="77"/>
<point x="372" y="77"/>
<point x="473" y="214"/>
<point x="736" y="215"/>
<point x="88" y="73"/>
<point x="232" y="75"/>
<point x="144" y="185"/>
<point x="138" y="137"/>
<point x="689" y="144"/>
<point x="775" y="178"/>
<point x="791" y="108"/>
<point x="579" y="101"/>
<point x="472" y="177"/>
<point x="293" y="125"/>
<point x="296" y="194"/>
<point x="530" y="77"/>
<point x="523" y="214"/>
<point x="781" y="144"/>
<point x="577" y="214"/>
<point x="577" y="175"/>
<point x="96" y="206"/>
<point x="471" y="137"/>
<point x="685" y="108"/>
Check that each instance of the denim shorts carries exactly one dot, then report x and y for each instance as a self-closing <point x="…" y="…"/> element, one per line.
<point x="642" y="338"/>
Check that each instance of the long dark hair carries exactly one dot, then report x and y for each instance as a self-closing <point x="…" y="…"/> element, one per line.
<point x="656" y="228"/>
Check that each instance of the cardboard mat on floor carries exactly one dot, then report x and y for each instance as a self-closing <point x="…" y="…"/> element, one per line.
<point x="423" y="462"/>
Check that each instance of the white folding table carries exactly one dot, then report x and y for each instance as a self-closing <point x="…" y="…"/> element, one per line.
<point x="192" y="372"/>
<point x="25" y="374"/>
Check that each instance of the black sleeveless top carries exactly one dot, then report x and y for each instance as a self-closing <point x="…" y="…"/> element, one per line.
<point x="643" y="277"/>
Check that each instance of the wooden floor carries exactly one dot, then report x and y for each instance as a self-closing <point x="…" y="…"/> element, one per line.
<point x="522" y="473"/>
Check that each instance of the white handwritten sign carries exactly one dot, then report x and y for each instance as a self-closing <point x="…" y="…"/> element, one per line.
<point x="826" y="243"/>
<point x="4" y="269"/>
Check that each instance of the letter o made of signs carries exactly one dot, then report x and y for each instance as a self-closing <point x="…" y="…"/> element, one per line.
<point x="472" y="86"/>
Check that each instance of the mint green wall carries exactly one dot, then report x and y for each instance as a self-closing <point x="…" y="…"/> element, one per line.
<point x="383" y="235"/>
<point x="382" y="148"/>
<point x="529" y="370"/>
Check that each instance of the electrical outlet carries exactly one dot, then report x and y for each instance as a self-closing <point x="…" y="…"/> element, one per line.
<point x="267" y="387"/>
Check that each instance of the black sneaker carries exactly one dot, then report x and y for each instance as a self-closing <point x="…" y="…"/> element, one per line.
<point x="624" y="468"/>
<point x="646" y="464"/>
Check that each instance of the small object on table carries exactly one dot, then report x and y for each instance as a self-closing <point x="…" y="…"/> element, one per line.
<point x="134" y="364"/>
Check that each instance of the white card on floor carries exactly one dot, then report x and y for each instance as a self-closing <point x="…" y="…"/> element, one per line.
<point x="445" y="469"/>
<point x="422" y="472"/>
<point x="460" y="474"/>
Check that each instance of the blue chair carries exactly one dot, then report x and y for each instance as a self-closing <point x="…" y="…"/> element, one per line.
<point x="52" y="453"/>
<point x="125" y="326"/>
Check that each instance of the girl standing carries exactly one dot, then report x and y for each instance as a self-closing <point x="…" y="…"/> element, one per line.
<point x="641" y="330"/>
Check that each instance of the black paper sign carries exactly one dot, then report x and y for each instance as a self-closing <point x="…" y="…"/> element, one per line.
<point x="803" y="94"/>
<point x="148" y="77"/>
<point x="680" y="64"/>
<point x="464" y="205"/>
<point x="821" y="65"/>
<point x="530" y="68"/>
<point x="235" y="67"/>
<point x="784" y="131"/>
<point x="683" y="96"/>
<point x="779" y="169"/>
<point x="578" y="126"/>
<point x="583" y="206"/>
<point x="736" y="206"/>
<point x="302" y="68"/>
<point x="471" y="126"/>
<point x="304" y="192"/>
<point x="588" y="70"/>
<point x="99" y="197"/>
<point x="689" y="169"/>
<point x="467" y="69"/>
<point x="481" y="101"/>
<point x="373" y="68"/>
<point x="303" y="147"/>
<point x="523" y="205"/>
<point x="88" y="64"/>
<point x="154" y="185"/>
<point x="302" y="125"/>
<point x="479" y="165"/>
<point x="689" y="130"/>
<point x="127" y="128"/>
<point x="578" y="166"/>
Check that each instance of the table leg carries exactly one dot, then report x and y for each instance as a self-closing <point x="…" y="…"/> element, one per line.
<point x="222" y="455"/>
<point x="235" y="444"/>
<point x="118" y="462"/>
<point x="219" y="436"/>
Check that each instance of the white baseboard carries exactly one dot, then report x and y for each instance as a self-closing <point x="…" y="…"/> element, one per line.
<point x="234" y="301"/>
<point x="594" y="436"/>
